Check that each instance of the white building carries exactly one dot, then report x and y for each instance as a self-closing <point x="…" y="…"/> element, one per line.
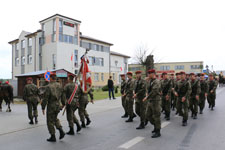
<point x="59" y="45"/>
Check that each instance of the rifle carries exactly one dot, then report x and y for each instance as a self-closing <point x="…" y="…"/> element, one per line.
<point x="78" y="75"/>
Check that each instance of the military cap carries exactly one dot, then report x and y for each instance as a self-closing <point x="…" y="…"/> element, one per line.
<point x="157" y="76"/>
<point x="122" y="75"/>
<point x="192" y="74"/>
<point x="137" y="72"/>
<point x="6" y="82"/>
<point x="202" y="74"/>
<point x="164" y="73"/>
<point x="182" y="72"/>
<point x="129" y="73"/>
<point x="29" y="78"/>
<point x="177" y="74"/>
<point x="210" y="74"/>
<point x="0" y="82"/>
<point x="151" y="71"/>
<point x="172" y="74"/>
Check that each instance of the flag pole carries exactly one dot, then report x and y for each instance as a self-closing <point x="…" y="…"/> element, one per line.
<point x="78" y="74"/>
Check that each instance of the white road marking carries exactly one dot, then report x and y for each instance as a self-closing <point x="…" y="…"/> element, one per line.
<point x="132" y="142"/>
<point x="164" y="124"/>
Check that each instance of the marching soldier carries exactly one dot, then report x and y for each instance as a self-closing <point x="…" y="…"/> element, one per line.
<point x="175" y="97"/>
<point x="71" y="108"/>
<point x="212" y="91"/>
<point x="183" y="90"/>
<point x="123" y="98"/>
<point x="31" y="96"/>
<point x="154" y="106"/>
<point x="166" y="86"/>
<point x="129" y="97"/>
<point x="194" y="98"/>
<point x="83" y="102"/>
<point x="139" y="95"/>
<point x="53" y="99"/>
<point x="203" y="94"/>
<point x="173" y="102"/>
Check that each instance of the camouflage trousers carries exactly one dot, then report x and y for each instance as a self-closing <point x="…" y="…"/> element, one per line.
<point x="70" y="115"/>
<point x="166" y="105"/>
<point x="32" y="109"/>
<point x="201" y="104"/>
<point x="53" y="121"/>
<point x="153" y="113"/>
<point x="83" y="102"/>
<point x="182" y="108"/>
<point x="211" y="99"/>
<point x="140" y="109"/>
<point x="129" y="106"/>
<point x="123" y="100"/>
<point x="173" y="101"/>
<point x="193" y="103"/>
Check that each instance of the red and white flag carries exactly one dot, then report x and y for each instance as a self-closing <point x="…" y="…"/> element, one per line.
<point x="85" y="76"/>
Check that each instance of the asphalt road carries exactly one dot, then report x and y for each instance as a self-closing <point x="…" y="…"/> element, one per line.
<point x="109" y="132"/>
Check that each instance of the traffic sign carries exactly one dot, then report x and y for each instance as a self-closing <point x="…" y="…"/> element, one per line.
<point x="47" y="75"/>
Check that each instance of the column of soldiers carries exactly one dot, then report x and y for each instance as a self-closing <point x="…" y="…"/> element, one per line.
<point x="153" y="96"/>
<point x="55" y="98"/>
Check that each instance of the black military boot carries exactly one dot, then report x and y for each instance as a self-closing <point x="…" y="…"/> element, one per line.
<point x="130" y="119"/>
<point x="201" y="112"/>
<point x="212" y="108"/>
<point x="195" y="116"/>
<point x="78" y="127"/>
<point x="61" y="133"/>
<point x="153" y="131"/>
<point x="168" y="116"/>
<point x="134" y="115"/>
<point x="31" y="122"/>
<point x="156" y="134"/>
<point x="36" y="120"/>
<point x="52" y="138"/>
<point x="184" y="123"/>
<point x="141" y="126"/>
<point x="71" y="132"/>
<point x="88" y="121"/>
<point x="83" y="125"/>
<point x="124" y="116"/>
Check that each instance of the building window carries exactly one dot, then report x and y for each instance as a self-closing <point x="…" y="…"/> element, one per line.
<point x="75" y="40"/>
<point x="90" y="46"/>
<point x="114" y="77"/>
<point x="101" y="61"/>
<point x="23" y="60"/>
<point x="17" y="46"/>
<point x="91" y="61"/>
<point x="53" y="37"/>
<point x="43" y="27"/>
<point x="29" y="59"/>
<point x="102" y="76"/>
<point x="179" y="67"/>
<point x="60" y="37"/>
<point x="54" y="25"/>
<point x="70" y="39"/>
<point x="75" y="58"/>
<point x="23" y="43"/>
<point x="30" y="42"/>
<point x="195" y="67"/>
<point x="164" y="67"/>
<point x="60" y="26"/>
<point x="116" y="63"/>
<point x="96" y="77"/>
<point x="65" y="38"/>
<point x="17" y="61"/>
<point x="102" y="48"/>
<point x="54" y="61"/>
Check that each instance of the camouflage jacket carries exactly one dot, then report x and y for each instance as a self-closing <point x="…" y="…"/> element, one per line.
<point x="183" y="88"/>
<point x="166" y="87"/>
<point x="129" y="88"/>
<point x="204" y="87"/>
<point x="30" y="93"/>
<point x="67" y="92"/>
<point x="123" y="85"/>
<point x="195" y="88"/>
<point x="212" y="86"/>
<point x="153" y="89"/>
<point x="53" y="97"/>
<point x="84" y="96"/>
<point x="140" y="88"/>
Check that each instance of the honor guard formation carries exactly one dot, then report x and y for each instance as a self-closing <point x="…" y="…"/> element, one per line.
<point x="156" y="95"/>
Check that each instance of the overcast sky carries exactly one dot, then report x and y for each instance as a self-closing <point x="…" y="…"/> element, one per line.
<point x="178" y="30"/>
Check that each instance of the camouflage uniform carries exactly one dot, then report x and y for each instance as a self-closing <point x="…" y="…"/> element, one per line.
<point x="72" y="107"/>
<point x="183" y="89"/>
<point x="202" y="97"/>
<point x="31" y="96"/>
<point x="166" y="87"/>
<point x="53" y="98"/>
<point x="196" y="90"/>
<point x="123" y="98"/>
<point x="173" y="101"/>
<point x="175" y="97"/>
<point x="154" y="102"/>
<point x="140" y="106"/>
<point x="129" y="98"/>
<point x="83" y="102"/>
<point x="1" y="96"/>
<point x="212" y="96"/>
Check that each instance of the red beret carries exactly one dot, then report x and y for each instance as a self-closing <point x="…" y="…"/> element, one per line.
<point x="6" y="82"/>
<point x="164" y="73"/>
<point x="122" y="75"/>
<point x="157" y="76"/>
<point x="177" y="74"/>
<point x="137" y="72"/>
<point x="202" y="74"/>
<point x="129" y="73"/>
<point x="182" y="72"/>
<point x="29" y="78"/>
<point x="210" y="74"/>
<point x="0" y="81"/>
<point x="151" y="71"/>
<point x="191" y="74"/>
<point x="172" y="74"/>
